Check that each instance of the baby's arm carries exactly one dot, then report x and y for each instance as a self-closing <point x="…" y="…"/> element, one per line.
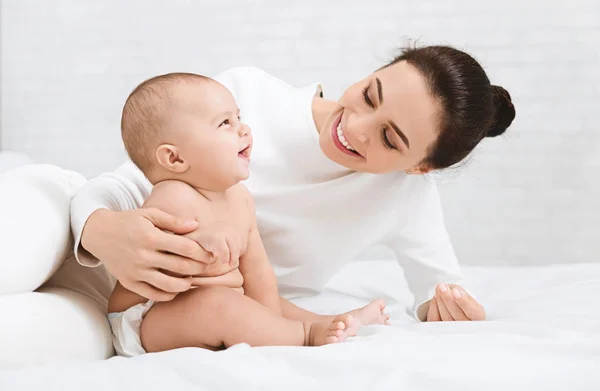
<point x="260" y="282"/>
<point x="176" y="198"/>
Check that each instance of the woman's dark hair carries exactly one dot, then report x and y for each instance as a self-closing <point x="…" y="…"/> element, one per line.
<point x="471" y="108"/>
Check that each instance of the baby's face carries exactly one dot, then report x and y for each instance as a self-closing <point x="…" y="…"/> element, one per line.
<point x="205" y="127"/>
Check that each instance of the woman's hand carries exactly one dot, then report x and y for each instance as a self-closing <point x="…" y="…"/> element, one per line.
<point x="146" y="260"/>
<point x="452" y="303"/>
<point x="221" y="240"/>
<point x="223" y="244"/>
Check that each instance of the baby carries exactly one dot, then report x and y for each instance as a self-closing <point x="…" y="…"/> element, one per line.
<point x="185" y="134"/>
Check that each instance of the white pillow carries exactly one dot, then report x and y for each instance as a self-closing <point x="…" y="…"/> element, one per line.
<point x="35" y="229"/>
<point x="50" y="327"/>
<point x="65" y="319"/>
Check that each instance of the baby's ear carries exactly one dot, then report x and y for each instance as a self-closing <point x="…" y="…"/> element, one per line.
<point x="168" y="156"/>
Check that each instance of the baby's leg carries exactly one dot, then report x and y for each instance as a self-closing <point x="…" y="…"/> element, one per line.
<point x="372" y="313"/>
<point x="214" y="316"/>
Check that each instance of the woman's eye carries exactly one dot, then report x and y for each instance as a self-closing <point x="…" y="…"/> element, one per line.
<point x="386" y="141"/>
<point x="368" y="101"/>
<point x="226" y="122"/>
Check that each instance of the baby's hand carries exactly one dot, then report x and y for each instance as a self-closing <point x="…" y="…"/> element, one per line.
<point x="451" y="302"/>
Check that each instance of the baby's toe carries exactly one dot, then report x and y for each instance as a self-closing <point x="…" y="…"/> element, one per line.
<point x="348" y="320"/>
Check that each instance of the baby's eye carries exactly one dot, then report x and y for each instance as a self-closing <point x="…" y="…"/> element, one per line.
<point x="226" y="122"/>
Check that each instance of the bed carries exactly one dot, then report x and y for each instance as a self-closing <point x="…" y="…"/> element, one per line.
<point x="543" y="332"/>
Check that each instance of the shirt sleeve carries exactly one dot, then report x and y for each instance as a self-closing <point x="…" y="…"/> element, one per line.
<point x="124" y="189"/>
<point x="422" y="247"/>
<point x="242" y="80"/>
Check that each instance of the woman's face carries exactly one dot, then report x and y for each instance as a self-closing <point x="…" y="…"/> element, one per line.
<point x="385" y="122"/>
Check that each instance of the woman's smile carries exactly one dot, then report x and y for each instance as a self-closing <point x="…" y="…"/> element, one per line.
<point x="340" y="139"/>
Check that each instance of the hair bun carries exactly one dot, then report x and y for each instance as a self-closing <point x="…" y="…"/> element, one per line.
<point x="505" y="112"/>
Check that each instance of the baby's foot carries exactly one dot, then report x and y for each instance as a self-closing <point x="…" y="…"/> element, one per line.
<point x="342" y="327"/>
<point x="348" y="324"/>
<point x="372" y="313"/>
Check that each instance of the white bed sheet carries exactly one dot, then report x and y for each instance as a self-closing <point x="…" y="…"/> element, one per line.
<point x="543" y="332"/>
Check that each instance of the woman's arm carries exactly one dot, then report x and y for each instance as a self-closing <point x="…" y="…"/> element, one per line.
<point x="110" y="227"/>
<point x="124" y="189"/>
<point x="423" y="249"/>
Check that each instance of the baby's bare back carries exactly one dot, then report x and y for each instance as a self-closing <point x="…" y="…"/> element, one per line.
<point x="209" y="209"/>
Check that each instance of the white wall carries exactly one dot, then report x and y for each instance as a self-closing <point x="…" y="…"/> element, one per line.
<point x="532" y="197"/>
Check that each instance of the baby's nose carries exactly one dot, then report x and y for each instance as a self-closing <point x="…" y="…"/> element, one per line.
<point x="243" y="129"/>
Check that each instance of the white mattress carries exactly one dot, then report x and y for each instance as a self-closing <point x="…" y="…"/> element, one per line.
<point x="543" y="333"/>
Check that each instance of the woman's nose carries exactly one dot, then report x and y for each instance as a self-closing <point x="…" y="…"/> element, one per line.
<point x="362" y="137"/>
<point x="359" y="129"/>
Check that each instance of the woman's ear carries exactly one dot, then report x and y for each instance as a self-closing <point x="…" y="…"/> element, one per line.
<point x="419" y="170"/>
<point x="168" y="156"/>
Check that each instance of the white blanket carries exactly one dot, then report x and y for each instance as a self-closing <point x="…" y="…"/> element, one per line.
<point x="543" y="333"/>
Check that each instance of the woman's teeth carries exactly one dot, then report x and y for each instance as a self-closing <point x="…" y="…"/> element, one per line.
<point x="342" y="139"/>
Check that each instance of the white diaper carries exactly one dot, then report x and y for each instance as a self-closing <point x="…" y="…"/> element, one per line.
<point x="125" y="328"/>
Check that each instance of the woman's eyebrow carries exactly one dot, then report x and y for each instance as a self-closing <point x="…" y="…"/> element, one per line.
<point x="379" y="90"/>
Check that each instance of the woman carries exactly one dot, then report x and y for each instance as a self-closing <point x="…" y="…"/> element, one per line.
<point x="329" y="180"/>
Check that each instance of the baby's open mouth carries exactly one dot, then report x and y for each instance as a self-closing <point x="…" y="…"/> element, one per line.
<point x="245" y="153"/>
